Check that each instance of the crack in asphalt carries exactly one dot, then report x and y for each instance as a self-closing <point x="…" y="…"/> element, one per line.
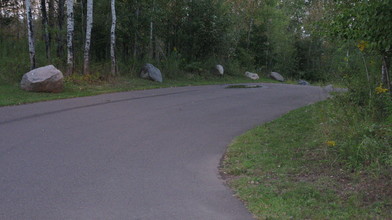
<point x="90" y="105"/>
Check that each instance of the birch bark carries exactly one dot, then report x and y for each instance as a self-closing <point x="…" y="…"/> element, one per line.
<point x="70" y="33"/>
<point x="87" y="43"/>
<point x="30" y="34"/>
<point x="113" y="37"/>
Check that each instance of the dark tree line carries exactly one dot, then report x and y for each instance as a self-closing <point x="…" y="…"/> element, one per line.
<point x="86" y="36"/>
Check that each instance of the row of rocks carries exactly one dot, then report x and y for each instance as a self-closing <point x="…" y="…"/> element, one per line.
<point x="50" y="79"/>
<point x="151" y="72"/>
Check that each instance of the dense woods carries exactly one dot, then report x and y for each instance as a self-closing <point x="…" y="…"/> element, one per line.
<point x="298" y="38"/>
<point x="177" y="35"/>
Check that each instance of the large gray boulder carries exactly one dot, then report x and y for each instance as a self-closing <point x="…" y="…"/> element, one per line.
<point x="43" y="79"/>
<point x="219" y="70"/>
<point x="253" y="76"/>
<point x="331" y="88"/>
<point x="149" y="71"/>
<point x="303" y="82"/>
<point x="276" y="76"/>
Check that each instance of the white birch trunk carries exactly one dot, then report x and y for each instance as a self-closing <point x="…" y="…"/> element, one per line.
<point x="70" y="33"/>
<point x="30" y="34"/>
<point x="87" y="43"/>
<point x="113" y="37"/>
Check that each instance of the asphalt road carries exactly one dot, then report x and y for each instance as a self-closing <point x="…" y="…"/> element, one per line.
<point x="136" y="155"/>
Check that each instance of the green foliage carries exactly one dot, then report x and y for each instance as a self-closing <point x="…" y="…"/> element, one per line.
<point x="13" y="67"/>
<point x="364" y="140"/>
<point x="285" y="168"/>
<point x="369" y="21"/>
<point x="242" y="35"/>
<point x="204" y="29"/>
<point x="171" y="66"/>
<point x="368" y="24"/>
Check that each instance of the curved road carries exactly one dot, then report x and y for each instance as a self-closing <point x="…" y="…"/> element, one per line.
<point x="134" y="155"/>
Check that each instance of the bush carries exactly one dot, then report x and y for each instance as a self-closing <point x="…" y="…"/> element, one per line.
<point x="362" y="134"/>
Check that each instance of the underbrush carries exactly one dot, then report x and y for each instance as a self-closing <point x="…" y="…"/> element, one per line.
<point x="331" y="160"/>
<point x="362" y="134"/>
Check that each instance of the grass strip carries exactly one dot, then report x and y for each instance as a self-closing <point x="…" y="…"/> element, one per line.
<point x="11" y="94"/>
<point x="285" y="169"/>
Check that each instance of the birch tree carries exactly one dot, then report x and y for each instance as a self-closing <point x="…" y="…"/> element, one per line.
<point x="88" y="36"/>
<point x="113" y="37"/>
<point x="70" y="33"/>
<point x="30" y="34"/>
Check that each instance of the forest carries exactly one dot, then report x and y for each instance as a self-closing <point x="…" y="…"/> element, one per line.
<point x="298" y="38"/>
<point x="317" y="40"/>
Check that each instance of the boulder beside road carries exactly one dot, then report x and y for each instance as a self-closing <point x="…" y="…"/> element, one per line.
<point x="219" y="70"/>
<point x="149" y="71"/>
<point x="253" y="76"/>
<point x="43" y="79"/>
<point x="303" y="82"/>
<point x="276" y="76"/>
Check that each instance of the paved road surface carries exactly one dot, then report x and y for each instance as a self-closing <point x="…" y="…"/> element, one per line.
<point x="135" y="155"/>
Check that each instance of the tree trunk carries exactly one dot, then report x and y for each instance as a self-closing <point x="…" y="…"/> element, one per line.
<point x="135" y="34"/>
<point x="51" y="20"/>
<point x="151" y="40"/>
<point x="385" y="73"/>
<point x="82" y="17"/>
<point x="249" y="33"/>
<point x="45" y="31"/>
<point x="113" y="37"/>
<point x="151" y="48"/>
<point x="70" y="33"/>
<point x="30" y="34"/>
<point x="60" y="20"/>
<point x="89" y="26"/>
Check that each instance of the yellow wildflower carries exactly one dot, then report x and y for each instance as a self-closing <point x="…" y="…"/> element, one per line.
<point x="331" y="143"/>
<point x="380" y="90"/>
<point x="362" y="45"/>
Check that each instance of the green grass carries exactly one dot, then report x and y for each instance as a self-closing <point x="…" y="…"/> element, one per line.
<point x="11" y="94"/>
<point x="284" y="169"/>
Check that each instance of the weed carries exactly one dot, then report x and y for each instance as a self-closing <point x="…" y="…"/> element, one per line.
<point x="313" y="163"/>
